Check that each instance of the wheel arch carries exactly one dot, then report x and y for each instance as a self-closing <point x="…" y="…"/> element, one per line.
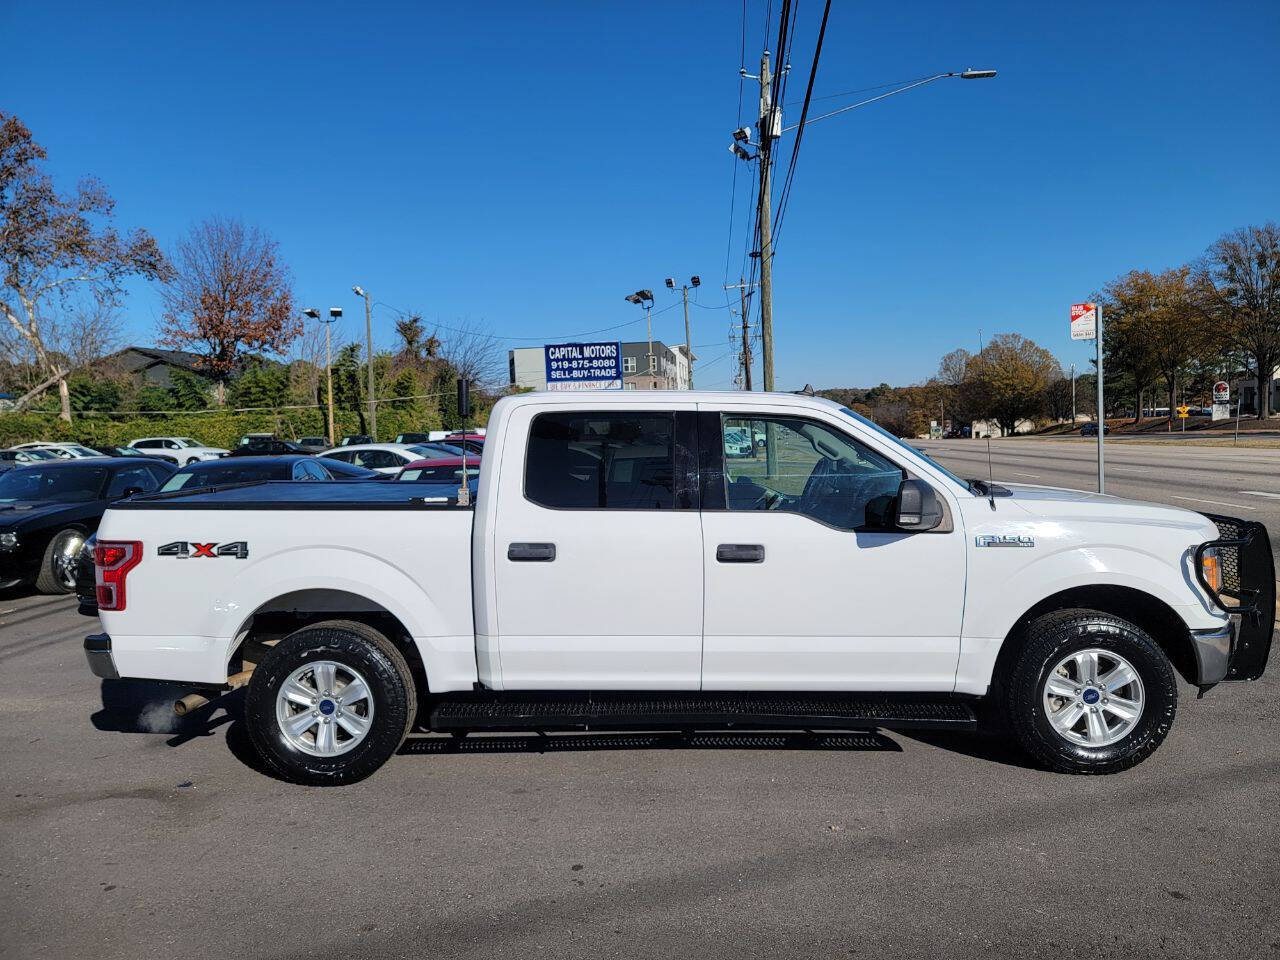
<point x="286" y="613"/>
<point x="1142" y="609"/>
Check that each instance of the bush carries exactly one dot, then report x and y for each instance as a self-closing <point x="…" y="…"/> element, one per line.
<point x="217" y="428"/>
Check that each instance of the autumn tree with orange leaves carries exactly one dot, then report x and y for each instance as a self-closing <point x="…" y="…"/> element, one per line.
<point x="57" y="253"/>
<point x="228" y="296"/>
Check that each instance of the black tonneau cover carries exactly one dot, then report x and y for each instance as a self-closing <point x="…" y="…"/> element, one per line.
<point x="302" y="495"/>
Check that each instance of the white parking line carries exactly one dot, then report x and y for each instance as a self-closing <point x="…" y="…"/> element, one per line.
<point x="1221" y="503"/>
<point x="1017" y="474"/>
<point x="1261" y="493"/>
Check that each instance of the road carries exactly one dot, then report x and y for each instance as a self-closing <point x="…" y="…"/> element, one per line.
<point x="1238" y="482"/>
<point x="126" y="834"/>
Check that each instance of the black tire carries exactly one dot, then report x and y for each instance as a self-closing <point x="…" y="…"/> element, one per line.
<point x="1059" y="634"/>
<point x="49" y="579"/>
<point x="351" y="644"/>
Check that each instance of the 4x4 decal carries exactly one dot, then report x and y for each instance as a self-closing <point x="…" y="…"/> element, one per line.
<point x="183" y="549"/>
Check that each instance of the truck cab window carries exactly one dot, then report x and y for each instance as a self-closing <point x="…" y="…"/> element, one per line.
<point x="801" y="466"/>
<point x="614" y="461"/>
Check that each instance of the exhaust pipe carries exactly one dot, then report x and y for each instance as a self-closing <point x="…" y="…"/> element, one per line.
<point x="194" y="701"/>
<point x="189" y="704"/>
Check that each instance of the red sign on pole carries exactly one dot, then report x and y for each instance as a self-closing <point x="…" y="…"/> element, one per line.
<point x="1084" y="321"/>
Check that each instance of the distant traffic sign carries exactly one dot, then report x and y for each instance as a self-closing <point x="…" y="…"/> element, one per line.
<point x="1184" y="411"/>
<point x="1084" y="321"/>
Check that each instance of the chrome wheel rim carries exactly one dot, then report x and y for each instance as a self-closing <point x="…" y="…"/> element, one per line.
<point x="325" y="708"/>
<point x="1093" y="698"/>
<point x="64" y="561"/>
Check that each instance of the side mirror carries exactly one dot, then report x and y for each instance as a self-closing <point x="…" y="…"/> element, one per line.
<point x="918" y="507"/>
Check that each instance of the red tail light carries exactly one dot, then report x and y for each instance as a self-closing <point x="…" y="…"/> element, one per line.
<point x="112" y="561"/>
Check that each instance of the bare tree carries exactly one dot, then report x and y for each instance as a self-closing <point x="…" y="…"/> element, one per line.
<point x="58" y="252"/>
<point x="474" y="352"/>
<point x="1239" y="283"/>
<point x="229" y="294"/>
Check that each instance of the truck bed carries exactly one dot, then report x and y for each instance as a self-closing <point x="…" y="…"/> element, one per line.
<point x="295" y="495"/>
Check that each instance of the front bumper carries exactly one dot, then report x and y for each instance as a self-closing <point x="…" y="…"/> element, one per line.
<point x="97" y="650"/>
<point x="1248" y="594"/>
<point x="1214" y="650"/>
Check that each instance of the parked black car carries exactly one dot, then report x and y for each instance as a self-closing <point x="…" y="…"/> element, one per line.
<point x="355" y="439"/>
<point x="48" y="510"/>
<point x="267" y="447"/>
<point x="349" y="471"/>
<point x="314" y="444"/>
<point x="1091" y="429"/>
<point x="110" y="451"/>
<point x="245" y="469"/>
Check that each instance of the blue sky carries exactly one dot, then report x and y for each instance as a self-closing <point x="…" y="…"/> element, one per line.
<point x="526" y="165"/>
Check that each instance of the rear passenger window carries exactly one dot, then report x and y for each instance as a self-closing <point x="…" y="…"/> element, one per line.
<point x="614" y="461"/>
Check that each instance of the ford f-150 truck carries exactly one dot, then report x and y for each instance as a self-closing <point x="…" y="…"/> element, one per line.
<point x="618" y="570"/>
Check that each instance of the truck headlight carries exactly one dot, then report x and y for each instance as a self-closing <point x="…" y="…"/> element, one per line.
<point x="1211" y="570"/>
<point x="8" y="540"/>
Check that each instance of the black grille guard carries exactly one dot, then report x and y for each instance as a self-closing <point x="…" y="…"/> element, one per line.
<point x="1248" y="590"/>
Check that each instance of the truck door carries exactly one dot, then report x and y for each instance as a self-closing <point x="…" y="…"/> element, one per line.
<point x="597" y="552"/>
<point x="807" y="587"/>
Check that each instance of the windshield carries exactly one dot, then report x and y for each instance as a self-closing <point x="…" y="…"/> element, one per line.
<point x="872" y="425"/>
<point x="189" y="442"/>
<point x="56" y="484"/>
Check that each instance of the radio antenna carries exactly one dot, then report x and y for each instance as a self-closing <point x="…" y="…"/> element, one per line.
<point x="991" y="478"/>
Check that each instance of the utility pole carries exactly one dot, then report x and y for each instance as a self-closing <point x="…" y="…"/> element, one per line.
<point x="368" y="332"/>
<point x="768" y="132"/>
<point x="741" y="286"/>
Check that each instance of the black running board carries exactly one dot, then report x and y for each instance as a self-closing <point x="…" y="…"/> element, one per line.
<point x="653" y="711"/>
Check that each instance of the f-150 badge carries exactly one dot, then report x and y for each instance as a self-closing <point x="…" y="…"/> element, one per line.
<point x="1005" y="540"/>
<point x="183" y="549"/>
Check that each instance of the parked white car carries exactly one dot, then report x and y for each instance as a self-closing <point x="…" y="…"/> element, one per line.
<point x="63" y="451"/>
<point x="843" y="580"/>
<point x="184" y="449"/>
<point x="383" y="457"/>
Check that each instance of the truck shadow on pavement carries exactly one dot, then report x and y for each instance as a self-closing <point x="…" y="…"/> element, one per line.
<point x="144" y="706"/>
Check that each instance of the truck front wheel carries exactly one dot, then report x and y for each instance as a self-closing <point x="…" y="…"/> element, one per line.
<point x="330" y="703"/>
<point x="1090" y="693"/>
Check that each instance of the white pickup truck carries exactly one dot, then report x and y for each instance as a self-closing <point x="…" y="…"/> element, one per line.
<point x="619" y="570"/>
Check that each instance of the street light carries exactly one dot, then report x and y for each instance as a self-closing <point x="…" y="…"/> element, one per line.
<point x="644" y="298"/>
<point x="368" y="332"/>
<point x="314" y="314"/>
<point x="694" y="281"/>
<point x="967" y="74"/>
<point x="770" y="127"/>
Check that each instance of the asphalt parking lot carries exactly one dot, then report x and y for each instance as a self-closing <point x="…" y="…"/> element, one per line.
<point x="128" y="834"/>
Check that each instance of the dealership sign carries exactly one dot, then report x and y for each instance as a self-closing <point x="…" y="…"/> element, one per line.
<point x="1084" y="321"/>
<point x="584" y="366"/>
<point x="1221" y="392"/>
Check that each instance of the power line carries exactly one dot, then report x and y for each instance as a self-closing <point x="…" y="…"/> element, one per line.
<point x="804" y="114"/>
<point x="544" y="339"/>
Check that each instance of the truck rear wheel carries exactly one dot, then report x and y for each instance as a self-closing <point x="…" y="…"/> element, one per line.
<point x="330" y="704"/>
<point x="1090" y="693"/>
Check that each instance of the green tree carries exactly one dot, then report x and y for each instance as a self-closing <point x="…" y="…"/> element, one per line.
<point x="187" y="390"/>
<point x="1008" y="380"/>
